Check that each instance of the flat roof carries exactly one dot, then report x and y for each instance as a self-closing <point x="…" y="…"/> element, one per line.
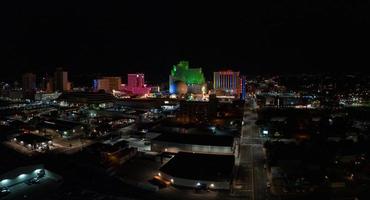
<point x="109" y="147"/>
<point x="31" y="138"/>
<point x="206" y="167"/>
<point x="58" y="124"/>
<point x="196" y="139"/>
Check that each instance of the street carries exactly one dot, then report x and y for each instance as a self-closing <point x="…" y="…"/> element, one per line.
<point x="252" y="159"/>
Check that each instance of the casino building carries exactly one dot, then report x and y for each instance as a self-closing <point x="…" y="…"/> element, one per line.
<point x="135" y="85"/>
<point x="184" y="79"/>
<point x="229" y="83"/>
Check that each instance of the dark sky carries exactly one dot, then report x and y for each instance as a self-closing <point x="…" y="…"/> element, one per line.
<point x="255" y="37"/>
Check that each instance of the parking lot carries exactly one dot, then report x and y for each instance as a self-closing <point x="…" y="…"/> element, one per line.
<point x="45" y="187"/>
<point x="60" y="145"/>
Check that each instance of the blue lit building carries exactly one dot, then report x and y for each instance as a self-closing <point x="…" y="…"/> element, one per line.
<point x="243" y="94"/>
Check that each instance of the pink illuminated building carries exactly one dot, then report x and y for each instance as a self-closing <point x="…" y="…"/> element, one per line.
<point x="135" y="80"/>
<point x="135" y="85"/>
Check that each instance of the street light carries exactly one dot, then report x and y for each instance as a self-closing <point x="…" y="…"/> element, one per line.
<point x="22" y="176"/>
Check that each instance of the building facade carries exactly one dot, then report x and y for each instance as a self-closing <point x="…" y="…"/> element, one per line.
<point x="135" y="80"/>
<point x="192" y="77"/>
<point x="29" y="82"/>
<point x="101" y="84"/>
<point x="61" y="82"/>
<point x="107" y="83"/>
<point x="135" y="85"/>
<point x="243" y="92"/>
<point x="227" y="83"/>
<point x="114" y="82"/>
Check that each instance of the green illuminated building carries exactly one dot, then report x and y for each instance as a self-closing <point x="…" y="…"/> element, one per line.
<point x="192" y="77"/>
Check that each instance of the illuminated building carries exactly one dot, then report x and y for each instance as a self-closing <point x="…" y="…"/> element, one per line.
<point x="243" y="94"/>
<point x="47" y="84"/>
<point x="61" y="80"/>
<point x="155" y="89"/>
<point x="192" y="77"/>
<point x="46" y="96"/>
<point x="50" y="86"/>
<point x="114" y="82"/>
<point x="28" y="82"/>
<point x="101" y="84"/>
<point x="226" y="83"/>
<point x="107" y="83"/>
<point x="135" y="85"/>
<point x="135" y="80"/>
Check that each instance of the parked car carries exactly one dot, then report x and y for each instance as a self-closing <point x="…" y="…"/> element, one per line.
<point x="41" y="173"/>
<point x="159" y="181"/>
<point x="201" y="187"/>
<point x="4" y="191"/>
<point x="33" y="181"/>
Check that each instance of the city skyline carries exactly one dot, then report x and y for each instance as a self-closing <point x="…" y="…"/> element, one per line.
<point x="258" y="100"/>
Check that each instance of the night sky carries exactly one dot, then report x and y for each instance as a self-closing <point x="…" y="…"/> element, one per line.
<point x="255" y="38"/>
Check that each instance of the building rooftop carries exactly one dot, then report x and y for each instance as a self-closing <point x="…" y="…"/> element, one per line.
<point x="109" y="146"/>
<point x="60" y="125"/>
<point x="207" y="167"/>
<point x="196" y="139"/>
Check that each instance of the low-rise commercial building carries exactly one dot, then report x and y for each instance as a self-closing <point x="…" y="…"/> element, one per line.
<point x="199" y="170"/>
<point x="174" y="143"/>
